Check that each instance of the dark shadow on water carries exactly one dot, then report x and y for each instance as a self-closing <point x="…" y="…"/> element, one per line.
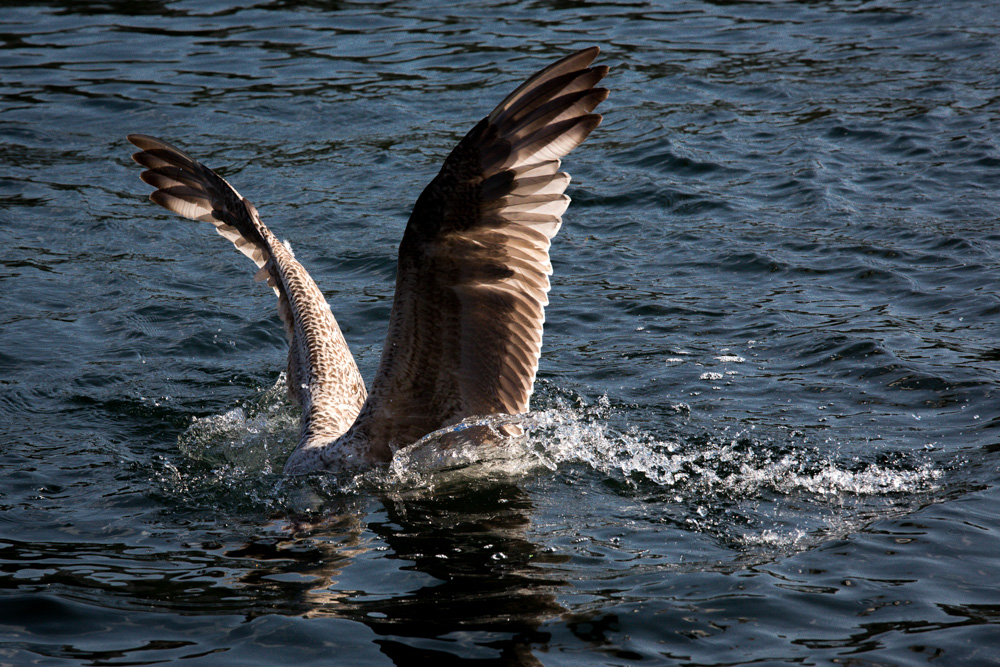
<point x="486" y="594"/>
<point x="474" y="544"/>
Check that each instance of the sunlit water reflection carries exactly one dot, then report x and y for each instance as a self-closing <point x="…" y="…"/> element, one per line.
<point x="765" y="425"/>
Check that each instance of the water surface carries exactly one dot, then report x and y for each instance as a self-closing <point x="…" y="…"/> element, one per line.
<point x="764" y="430"/>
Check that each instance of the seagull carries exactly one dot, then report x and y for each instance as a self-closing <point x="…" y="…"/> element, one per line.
<point x="472" y="278"/>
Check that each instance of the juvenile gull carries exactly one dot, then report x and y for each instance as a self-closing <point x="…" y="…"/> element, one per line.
<point x="472" y="278"/>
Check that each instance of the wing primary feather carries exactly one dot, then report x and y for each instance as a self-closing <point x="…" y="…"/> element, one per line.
<point x="575" y="61"/>
<point x="472" y="277"/>
<point x="322" y="375"/>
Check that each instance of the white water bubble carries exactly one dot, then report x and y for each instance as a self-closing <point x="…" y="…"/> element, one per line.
<point x="256" y="436"/>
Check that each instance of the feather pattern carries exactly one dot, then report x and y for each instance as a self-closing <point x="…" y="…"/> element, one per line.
<point x="472" y="279"/>
<point x="322" y="375"/>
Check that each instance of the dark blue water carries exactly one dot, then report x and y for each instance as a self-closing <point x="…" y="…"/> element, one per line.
<point x="765" y="427"/>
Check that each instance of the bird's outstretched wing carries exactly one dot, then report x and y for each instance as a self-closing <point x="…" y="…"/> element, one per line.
<point x="322" y="375"/>
<point x="473" y="273"/>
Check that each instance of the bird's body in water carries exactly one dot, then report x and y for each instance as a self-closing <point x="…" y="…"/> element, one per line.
<point x="472" y="279"/>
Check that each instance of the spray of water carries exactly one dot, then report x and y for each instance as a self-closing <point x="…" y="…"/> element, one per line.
<point x="755" y="490"/>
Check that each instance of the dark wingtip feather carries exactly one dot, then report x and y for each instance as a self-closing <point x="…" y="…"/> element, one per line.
<point x="574" y="62"/>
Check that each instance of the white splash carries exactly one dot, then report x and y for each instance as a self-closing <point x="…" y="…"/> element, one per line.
<point x="257" y="436"/>
<point x="756" y="491"/>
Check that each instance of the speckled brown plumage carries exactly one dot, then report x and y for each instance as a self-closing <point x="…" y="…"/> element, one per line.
<point x="471" y="285"/>
<point x="322" y="376"/>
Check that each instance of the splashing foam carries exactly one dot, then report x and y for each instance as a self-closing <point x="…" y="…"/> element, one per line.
<point x="255" y="437"/>
<point x="759" y="492"/>
<point x="754" y="492"/>
<point x="259" y="435"/>
<point x="736" y="466"/>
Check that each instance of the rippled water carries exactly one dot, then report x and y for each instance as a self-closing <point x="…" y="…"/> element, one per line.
<point x="765" y="428"/>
